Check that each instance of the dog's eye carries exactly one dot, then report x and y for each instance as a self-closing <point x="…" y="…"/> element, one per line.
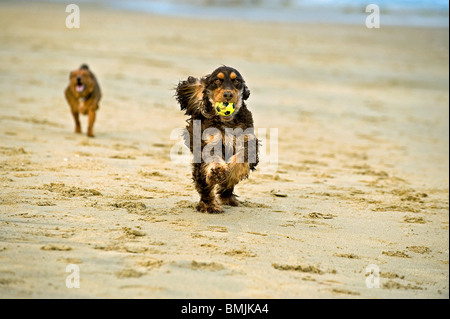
<point x="237" y="82"/>
<point x="218" y="81"/>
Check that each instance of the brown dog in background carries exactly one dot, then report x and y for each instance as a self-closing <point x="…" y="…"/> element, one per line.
<point x="83" y="95"/>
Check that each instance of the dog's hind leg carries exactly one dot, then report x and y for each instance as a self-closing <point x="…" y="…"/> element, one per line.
<point x="226" y="195"/>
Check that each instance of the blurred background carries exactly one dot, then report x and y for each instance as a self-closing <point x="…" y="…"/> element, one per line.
<point x="398" y="12"/>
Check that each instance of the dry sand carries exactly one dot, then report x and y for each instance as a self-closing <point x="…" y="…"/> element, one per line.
<point x="362" y="175"/>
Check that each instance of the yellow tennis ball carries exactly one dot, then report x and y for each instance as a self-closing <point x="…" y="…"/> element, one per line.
<point x="225" y="108"/>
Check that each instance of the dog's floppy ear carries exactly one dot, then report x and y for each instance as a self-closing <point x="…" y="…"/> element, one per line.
<point x="189" y="94"/>
<point x="246" y="93"/>
<point x="91" y="75"/>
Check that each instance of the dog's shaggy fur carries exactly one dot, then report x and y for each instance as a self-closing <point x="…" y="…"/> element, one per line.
<point x="83" y="95"/>
<point x="218" y="173"/>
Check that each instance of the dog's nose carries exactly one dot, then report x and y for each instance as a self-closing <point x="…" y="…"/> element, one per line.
<point x="228" y="95"/>
<point x="78" y="79"/>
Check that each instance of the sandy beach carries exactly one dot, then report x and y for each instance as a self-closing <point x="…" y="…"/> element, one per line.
<point x="357" y="190"/>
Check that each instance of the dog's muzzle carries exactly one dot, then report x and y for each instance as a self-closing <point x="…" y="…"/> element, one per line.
<point x="80" y="86"/>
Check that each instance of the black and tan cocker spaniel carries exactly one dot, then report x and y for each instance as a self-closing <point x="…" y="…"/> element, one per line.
<point x="220" y="135"/>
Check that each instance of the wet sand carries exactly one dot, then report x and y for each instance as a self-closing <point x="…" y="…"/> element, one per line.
<point x="361" y="178"/>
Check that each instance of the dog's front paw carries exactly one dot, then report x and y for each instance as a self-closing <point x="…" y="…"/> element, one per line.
<point x="210" y="208"/>
<point x="231" y="201"/>
<point x="217" y="173"/>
